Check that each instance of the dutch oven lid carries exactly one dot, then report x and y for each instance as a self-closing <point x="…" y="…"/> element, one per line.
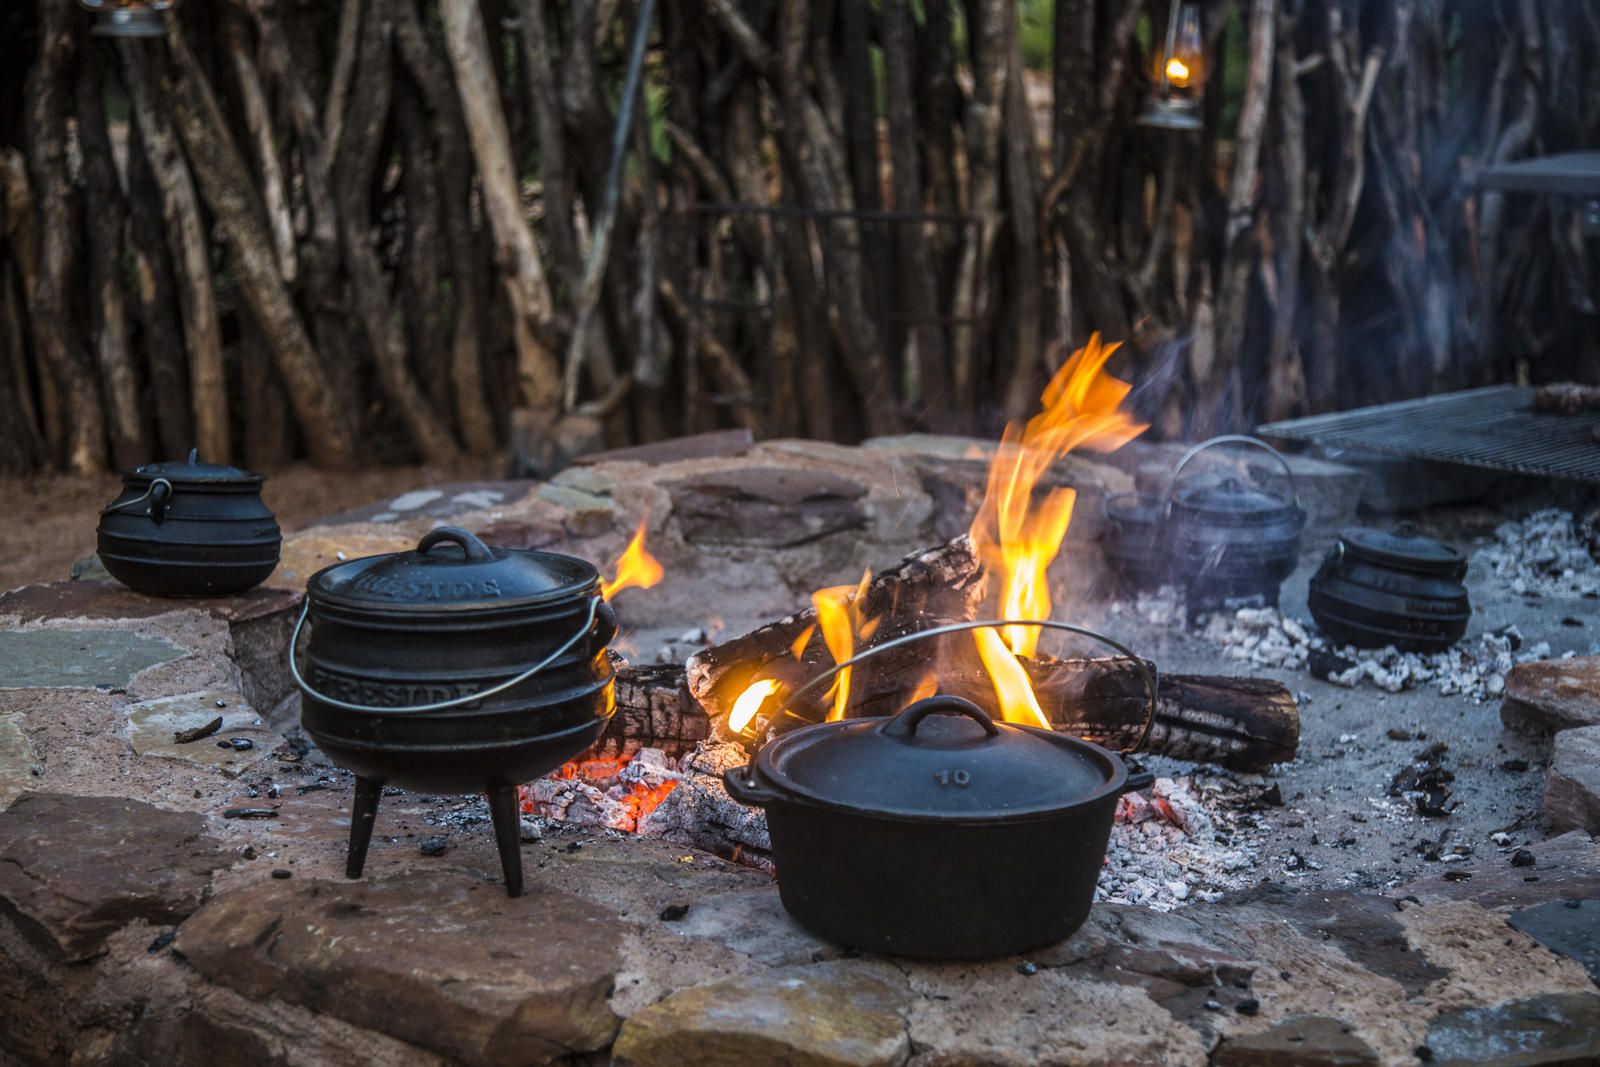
<point x="924" y="765"/>
<point x="192" y="472"/>
<point x="1402" y="547"/>
<point x="451" y="570"/>
<point x="1230" y="500"/>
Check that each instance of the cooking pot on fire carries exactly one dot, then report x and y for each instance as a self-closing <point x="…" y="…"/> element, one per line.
<point x="417" y="674"/>
<point x="1399" y="588"/>
<point x="938" y="832"/>
<point x="189" y="529"/>
<point x="1230" y="541"/>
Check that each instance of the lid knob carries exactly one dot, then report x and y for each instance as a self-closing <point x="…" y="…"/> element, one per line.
<point x="476" y="550"/>
<point x="905" y="724"/>
<point x="194" y="456"/>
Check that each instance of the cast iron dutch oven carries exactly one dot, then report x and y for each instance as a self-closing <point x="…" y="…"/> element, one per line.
<point x="189" y="529"/>
<point x="1135" y="541"/>
<point x="1231" y="541"/>
<point x="417" y="674"/>
<point x="937" y="833"/>
<point x="1399" y="588"/>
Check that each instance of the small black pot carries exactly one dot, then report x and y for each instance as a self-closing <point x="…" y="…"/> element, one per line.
<point x="1378" y="588"/>
<point x="417" y="674"/>
<point x="940" y="836"/>
<point x="189" y="529"/>
<point x="1231" y="542"/>
<point x="1135" y="543"/>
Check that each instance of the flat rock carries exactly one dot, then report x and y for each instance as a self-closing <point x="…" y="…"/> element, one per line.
<point x="816" y="1018"/>
<point x="753" y="922"/>
<point x="583" y="513"/>
<point x="434" y="958"/>
<point x="772" y="506"/>
<point x="16" y="759"/>
<point x="1550" y="695"/>
<point x="74" y="870"/>
<point x="306" y="553"/>
<point x="107" y="599"/>
<point x="434" y="502"/>
<point x="1573" y="932"/>
<point x="1572" y="785"/>
<point x="718" y="444"/>
<point x="1298" y="1041"/>
<point x="1564" y="867"/>
<point x="1543" y="1031"/>
<point x="152" y="724"/>
<point x="78" y="659"/>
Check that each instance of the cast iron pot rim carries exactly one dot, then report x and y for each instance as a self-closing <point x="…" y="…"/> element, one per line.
<point x="578" y="594"/>
<point x="133" y="478"/>
<point x="791" y="793"/>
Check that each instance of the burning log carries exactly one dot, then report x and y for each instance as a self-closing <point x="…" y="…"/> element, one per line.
<point x="654" y="710"/>
<point x="938" y="583"/>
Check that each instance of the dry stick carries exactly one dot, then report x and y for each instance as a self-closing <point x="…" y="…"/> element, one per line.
<point x="344" y="65"/>
<point x="600" y="247"/>
<point x="554" y="171"/>
<point x="151" y="266"/>
<point x="108" y="313"/>
<point x="258" y="121"/>
<point x="521" y="268"/>
<point x="56" y="334"/>
<point x="730" y="377"/>
<point x="1286" y="382"/>
<point x="191" y="261"/>
<point x="385" y="336"/>
<point x="432" y="77"/>
<point x="224" y="180"/>
<point x="22" y="448"/>
<point x="22" y="239"/>
<point x="1026" y="280"/>
<point x="421" y="285"/>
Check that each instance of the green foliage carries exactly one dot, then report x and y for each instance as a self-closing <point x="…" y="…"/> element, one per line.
<point x="1036" y="29"/>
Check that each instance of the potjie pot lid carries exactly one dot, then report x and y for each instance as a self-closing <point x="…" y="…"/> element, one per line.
<point x="192" y="472"/>
<point x="1402" y="548"/>
<point x="1231" y="502"/>
<point x="451" y="570"/>
<point x="924" y="765"/>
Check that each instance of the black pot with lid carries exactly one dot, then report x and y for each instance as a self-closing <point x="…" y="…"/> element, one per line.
<point x="451" y="668"/>
<point x="1391" y="587"/>
<point x="1230" y="541"/>
<point x="189" y="529"/>
<point x="938" y="833"/>
<point x="1135" y="542"/>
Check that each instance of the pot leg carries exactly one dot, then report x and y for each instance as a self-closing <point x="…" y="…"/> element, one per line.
<point x="363" y="813"/>
<point x="508" y="835"/>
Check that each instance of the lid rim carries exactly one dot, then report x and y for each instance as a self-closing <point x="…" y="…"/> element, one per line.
<point x="1446" y="560"/>
<point x="577" y="589"/>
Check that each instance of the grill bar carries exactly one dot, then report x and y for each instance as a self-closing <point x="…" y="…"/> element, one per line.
<point x="1495" y="427"/>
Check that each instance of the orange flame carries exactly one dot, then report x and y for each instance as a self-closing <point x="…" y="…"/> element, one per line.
<point x="749" y="702"/>
<point x="839" y="616"/>
<point x="1177" y="72"/>
<point x="1019" y="539"/>
<point x="635" y="567"/>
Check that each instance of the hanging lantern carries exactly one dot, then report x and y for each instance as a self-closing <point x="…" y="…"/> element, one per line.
<point x="1180" y="70"/>
<point x="128" y="18"/>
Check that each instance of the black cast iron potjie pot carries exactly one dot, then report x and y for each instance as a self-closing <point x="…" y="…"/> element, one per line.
<point x="1399" y="588"/>
<point x="417" y="674"/>
<point x="1135" y="542"/>
<point x="189" y="529"/>
<point x="937" y="833"/>
<point x="1229" y="541"/>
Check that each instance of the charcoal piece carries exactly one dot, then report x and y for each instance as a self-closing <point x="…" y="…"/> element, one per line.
<point x="1324" y="664"/>
<point x="433" y="846"/>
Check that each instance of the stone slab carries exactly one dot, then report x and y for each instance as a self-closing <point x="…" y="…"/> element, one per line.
<point x="1298" y="1041"/>
<point x="152" y="723"/>
<point x="1563" y="867"/>
<point x="771" y="506"/>
<point x="78" y="659"/>
<point x="530" y="984"/>
<point x="74" y="870"/>
<point x="778" y="1017"/>
<point x="718" y="444"/>
<point x="306" y="553"/>
<point x="1568" y="927"/>
<point x="1550" y="695"/>
<point x="17" y="765"/>
<point x="1553" y="1030"/>
<point x="86" y="599"/>
<point x="441" y="502"/>
<point x="1572" y="785"/>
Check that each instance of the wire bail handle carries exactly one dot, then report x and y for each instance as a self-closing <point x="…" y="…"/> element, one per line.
<point x="1147" y="673"/>
<point x="1234" y="439"/>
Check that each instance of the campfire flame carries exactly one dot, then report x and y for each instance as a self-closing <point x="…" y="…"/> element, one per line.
<point x="636" y="567"/>
<point x="749" y="702"/>
<point x="839" y="615"/>
<point x="1017" y="538"/>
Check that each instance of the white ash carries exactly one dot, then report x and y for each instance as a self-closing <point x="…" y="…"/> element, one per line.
<point x="1551" y="553"/>
<point x="1188" y="840"/>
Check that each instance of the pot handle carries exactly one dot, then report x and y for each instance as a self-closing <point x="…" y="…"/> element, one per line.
<point x="476" y="550"/>
<point x="159" y="494"/>
<point x="1147" y="673"/>
<point x="1231" y="439"/>
<point x="742" y="786"/>
<point x="1138" y="780"/>
<point x="440" y="705"/>
<point x="905" y="724"/>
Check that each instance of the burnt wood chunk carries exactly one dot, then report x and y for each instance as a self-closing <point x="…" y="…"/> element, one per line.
<point x="935" y="585"/>
<point x="654" y="710"/>
<point x="773" y="507"/>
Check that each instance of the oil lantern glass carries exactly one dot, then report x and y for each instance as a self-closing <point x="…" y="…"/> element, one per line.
<point x="127" y="18"/>
<point x="1179" y="72"/>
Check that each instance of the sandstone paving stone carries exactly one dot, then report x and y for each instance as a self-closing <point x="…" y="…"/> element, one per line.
<point x="1574" y="932"/>
<point x="17" y="767"/>
<point x="107" y="599"/>
<point x="583" y="513"/>
<point x="771" y="506"/>
<point x="1564" y="867"/>
<point x="80" y="659"/>
<point x="1550" y="695"/>
<point x="76" y="869"/>
<point x="805" y="1019"/>
<point x="307" y="552"/>
<point x="434" y="958"/>
<point x="152" y="724"/>
<point x="437" y="502"/>
<point x="754" y="923"/>
<point x="1553" y="1030"/>
<point x="716" y="444"/>
<point x="1572" y="784"/>
<point x="1298" y="1041"/>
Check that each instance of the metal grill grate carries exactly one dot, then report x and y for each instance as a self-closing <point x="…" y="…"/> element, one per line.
<point x="1496" y="427"/>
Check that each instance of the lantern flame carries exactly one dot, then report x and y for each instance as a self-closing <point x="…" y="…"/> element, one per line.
<point x="636" y="567"/>
<point x="1177" y="72"/>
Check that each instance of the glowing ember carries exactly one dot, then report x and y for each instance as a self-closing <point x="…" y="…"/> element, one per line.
<point x="749" y="702"/>
<point x="631" y="796"/>
<point x="636" y="567"/>
<point x="1019" y="539"/>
